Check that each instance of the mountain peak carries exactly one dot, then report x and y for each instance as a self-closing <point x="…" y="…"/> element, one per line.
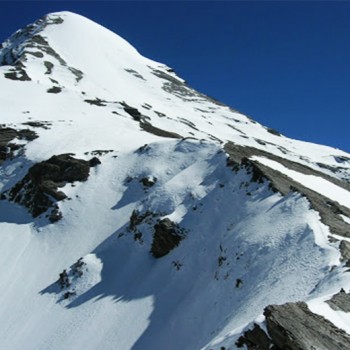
<point x="134" y="205"/>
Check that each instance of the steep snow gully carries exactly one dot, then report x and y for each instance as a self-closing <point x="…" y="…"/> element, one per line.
<point x="137" y="213"/>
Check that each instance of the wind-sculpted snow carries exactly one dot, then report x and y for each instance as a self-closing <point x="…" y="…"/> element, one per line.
<point x="171" y="243"/>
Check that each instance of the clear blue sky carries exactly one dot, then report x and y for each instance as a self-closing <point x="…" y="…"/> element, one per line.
<point x="285" y="64"/>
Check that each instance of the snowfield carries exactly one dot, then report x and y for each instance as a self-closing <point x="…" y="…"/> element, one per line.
<point x="89" y="280"/>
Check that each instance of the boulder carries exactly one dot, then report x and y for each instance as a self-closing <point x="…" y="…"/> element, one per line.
<point x="167" y="235"/>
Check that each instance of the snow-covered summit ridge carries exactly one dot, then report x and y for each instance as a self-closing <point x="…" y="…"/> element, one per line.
<point x="68" y="28"/>
<point x="133" y="207"/>
<point x="64" y="41"/>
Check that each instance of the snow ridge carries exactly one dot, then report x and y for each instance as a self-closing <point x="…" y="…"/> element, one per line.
<point x="176" y="217"/>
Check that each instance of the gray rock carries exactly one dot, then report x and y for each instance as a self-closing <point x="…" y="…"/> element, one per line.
<point x="293" y="326"/>
<point x="340" y="301"/>
<point x="345" y="250"/>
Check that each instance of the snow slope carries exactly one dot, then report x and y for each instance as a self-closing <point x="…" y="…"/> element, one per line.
<point x="88" y="92"/>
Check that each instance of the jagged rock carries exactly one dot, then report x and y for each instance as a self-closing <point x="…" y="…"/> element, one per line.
<point x="167" y="235"/>
<point x="7" y="148"/>
<point x="100" y="152"/>
<point x="38" y="124"/>
<point x="96" y="102"/>
<point x="17" y="73"/>
<point x="148" y="181"/>
<point x="77" y="267"/>
<point x="49" y="66"/>
<point x="340" y="301"/>
<point x="38" y="190"/>
<point x="292" y="326"/>
<point x="254" y="339"/>
<point x="55" y="214"/>
<point x="54" y="90"/>
<point x="145" y="125"/>
<point x="134" y="112"/>
<point x="138" y="218"/>
<point x="273" y="131"/>
<point x="61" y="168"/>
<point x="63" y="280"/>
<point x="344" y="247"/>
<point x="94" y="161"/>
<point x="158" y="132"/>
<point x="69" y="294"/>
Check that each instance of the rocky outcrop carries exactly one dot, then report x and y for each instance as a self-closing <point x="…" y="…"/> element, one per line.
<point x="167" y="235"/>
<point x="340" y="301"/>
<point x="146" y="125"/>
<point x="255" y="339"/>
<point x="148" y="181"/>
<point x="292" y="326"/>
<point x="17" y="72"/>
<point x="178" y="87"/>
<point x="329" y="210"/>
<point x="344" y="248"/>
<point x="39" y="189"/>
<point x="7" y="146"/>
<point x="29" y="42"/>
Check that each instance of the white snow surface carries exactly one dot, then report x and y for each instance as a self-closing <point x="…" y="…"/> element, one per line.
<point x="246" y="247"/>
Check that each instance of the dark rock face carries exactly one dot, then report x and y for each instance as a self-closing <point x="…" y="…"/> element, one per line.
<point x="293" y="326"/>
<point x="137" y="219"/>
<point x="255" y="339"/>
<point x="167" y="236"/>
<point x="148" y="181"/>
<point x="17" y="73"/>
<point x="54" y="90"/>
<point x="49" y="66"/>
<point x="147" y="126"/>
<point x="158" y="132"/>
<point x="38" y="190"/>
<point x="7" y="148"/>
<point x="96" y="102"/>
<point x="94" y="162"/>
<point x="134" y="112"/>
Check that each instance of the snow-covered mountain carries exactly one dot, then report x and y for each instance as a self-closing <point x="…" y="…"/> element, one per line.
<point x="137" y="213"/>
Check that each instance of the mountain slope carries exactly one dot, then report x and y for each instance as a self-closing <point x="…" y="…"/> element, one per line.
<point x="174" y="220"/>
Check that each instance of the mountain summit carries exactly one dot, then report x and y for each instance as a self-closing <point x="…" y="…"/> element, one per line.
<point x="137" y="213"/>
